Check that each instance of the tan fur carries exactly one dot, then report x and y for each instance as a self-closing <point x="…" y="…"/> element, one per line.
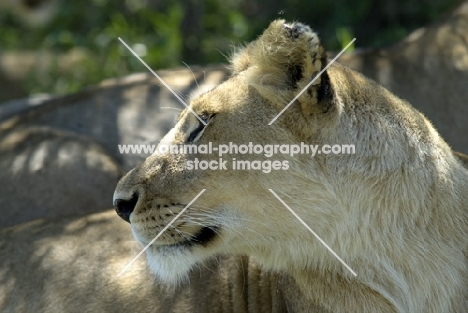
<point x="396" y="211"/>
<point x="429" y="68"/>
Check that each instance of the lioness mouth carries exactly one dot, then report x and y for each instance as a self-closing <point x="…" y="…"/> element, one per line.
<point x="205" y="235"/>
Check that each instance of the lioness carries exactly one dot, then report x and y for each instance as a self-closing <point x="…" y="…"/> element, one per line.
<point x="395" y="211"/>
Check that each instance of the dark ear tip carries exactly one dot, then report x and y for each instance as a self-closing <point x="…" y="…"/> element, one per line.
<point x="325" y="91"/>
<point x="296" y="29"/>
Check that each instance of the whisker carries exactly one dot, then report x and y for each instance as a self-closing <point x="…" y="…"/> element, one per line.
<point x="185" y="235"/>
<point x="193" y="75"/>
<point x="171" y="108"/>
<point x="201" y="213"/>
<point x="204" y="265"/>
<point x="214" y="230"/>
<point x="181" y="96"/>
<point x="237" y="232"/>
<point x="223" y="54"/>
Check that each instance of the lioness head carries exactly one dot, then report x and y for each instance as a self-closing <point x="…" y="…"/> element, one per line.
<point x="363" y="205"/>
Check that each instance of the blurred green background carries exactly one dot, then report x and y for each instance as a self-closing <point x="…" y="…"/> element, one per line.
<point x="74" y="44"/>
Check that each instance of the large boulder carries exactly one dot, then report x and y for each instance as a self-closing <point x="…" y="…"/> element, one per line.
<point x="60" y="155"/>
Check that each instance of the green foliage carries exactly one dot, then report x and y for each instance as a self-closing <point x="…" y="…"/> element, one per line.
<point x="167" y="33"/>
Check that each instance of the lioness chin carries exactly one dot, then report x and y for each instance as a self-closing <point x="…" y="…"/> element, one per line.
<point x="395" y="211"/>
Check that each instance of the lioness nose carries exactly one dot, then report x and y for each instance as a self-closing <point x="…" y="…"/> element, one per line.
<point x="124" y="207"/>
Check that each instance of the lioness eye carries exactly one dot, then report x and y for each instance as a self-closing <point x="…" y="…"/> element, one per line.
<point x="197" y="132"/>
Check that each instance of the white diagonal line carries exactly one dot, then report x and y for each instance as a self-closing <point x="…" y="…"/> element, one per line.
<point x="160" y="233"/>
<point x="313" y="233"/>
<point x="163" y="82"/>
<point x="311" y="82"/>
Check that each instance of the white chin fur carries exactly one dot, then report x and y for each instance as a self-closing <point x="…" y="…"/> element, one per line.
<point x="172" y="265"/>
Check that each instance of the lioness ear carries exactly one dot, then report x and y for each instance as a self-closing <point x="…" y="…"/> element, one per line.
<point x="286" y="57"/>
